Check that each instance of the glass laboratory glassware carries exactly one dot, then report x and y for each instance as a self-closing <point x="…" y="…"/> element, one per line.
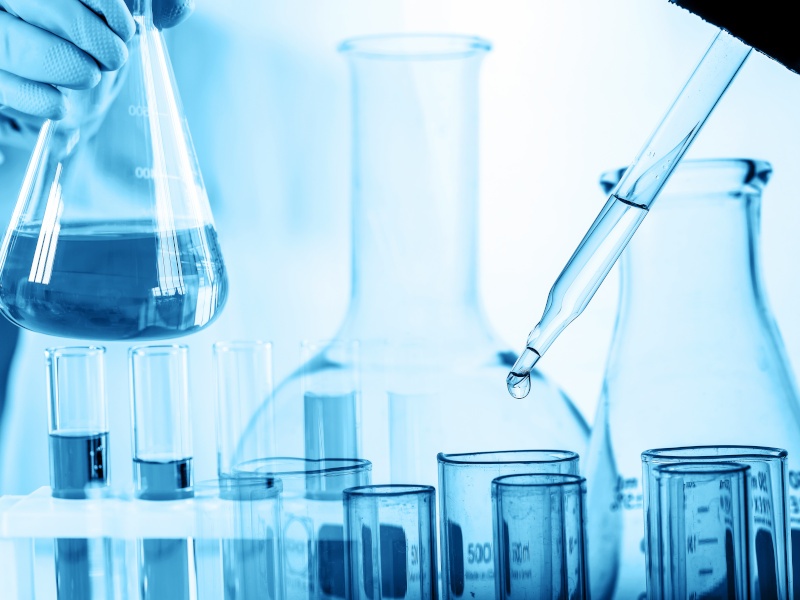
<point x="415" y="202"/>
<point x="465" y="495"/>
<point x="392" y="542"/>
<point x="243" y="371"/>
<point x="700" y="512"/>
<point x="540" y="537"/>
<point x="696" y="357"/>
<point x="78" y="461"/>
<point x="770" y="548"/>
<point x="238" y="546"/>
<point x="112" y="236"/>
<point x="314" y="543"/>
<point x="162" y="460"/>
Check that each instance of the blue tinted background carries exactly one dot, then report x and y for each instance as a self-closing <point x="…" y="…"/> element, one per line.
<point x="570" y="89"/>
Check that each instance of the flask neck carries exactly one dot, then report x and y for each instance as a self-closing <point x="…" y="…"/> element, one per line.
<point x="142" y="9"/>
<point x="692" y="271"/>
<point x="415" y="123"/>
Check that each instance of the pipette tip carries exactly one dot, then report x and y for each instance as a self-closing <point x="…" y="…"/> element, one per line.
<point x="519" y="379"/>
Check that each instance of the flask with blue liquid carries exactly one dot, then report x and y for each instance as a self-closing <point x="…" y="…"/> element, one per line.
<point x="112" y="236"/>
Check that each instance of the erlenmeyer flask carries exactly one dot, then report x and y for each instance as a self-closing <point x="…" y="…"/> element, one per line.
<point x="432" y="374"/>
<point x="696" y="358"/>
<point x="112" y="236"/>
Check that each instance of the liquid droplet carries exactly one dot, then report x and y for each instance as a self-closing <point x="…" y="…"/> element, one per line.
<point x="519" y="385"/>
<point x="519" y="379"/>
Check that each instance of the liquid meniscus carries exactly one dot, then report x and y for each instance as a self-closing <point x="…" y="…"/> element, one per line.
<point x="113" y="281"/>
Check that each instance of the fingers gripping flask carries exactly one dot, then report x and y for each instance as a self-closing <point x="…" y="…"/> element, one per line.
<point x="112" y="235"/>
<point x="696" y="359"/>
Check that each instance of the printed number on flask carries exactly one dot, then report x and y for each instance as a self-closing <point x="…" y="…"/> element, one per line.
<point x="138" y="110"/>
<point x="479" y="553"/>
<point x="148" y="173"/>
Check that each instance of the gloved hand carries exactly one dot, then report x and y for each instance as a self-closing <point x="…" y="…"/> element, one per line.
<point x="65" y="43"/>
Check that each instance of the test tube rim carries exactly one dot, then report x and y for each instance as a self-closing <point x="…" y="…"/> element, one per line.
<point x="389" y="490"/>
<point x="653" y="456"/>
<point x="71" y="351"/>
<point x="352" y="465"/>
<point x="567" y="480"/>
<point x="158" y="349"/>
<point x="369" y="46"/>
<point x="453" y="458"/>
<point x="701" y="468"/>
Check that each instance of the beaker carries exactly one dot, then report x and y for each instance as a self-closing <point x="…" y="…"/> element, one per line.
<point x="465" y="495"/>
<point x="539" y="537"/>
<point x="432" y="373"/>
<point x="696" y="357"/>
<point x="700" y="517"/>
<point x="391" y="533"/>
<point x="112" y="235"/>
<point x="768" y="532"/>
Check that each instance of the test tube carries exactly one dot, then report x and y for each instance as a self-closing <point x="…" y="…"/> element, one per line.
<point x="392" y="542"/>
<point x="769" y="541"/>
<point x="465" y="496"/>
<point x="243" y="372"/>
<point x="700" y="512"/>
<point x="331" y="399"/>
<point x="312" y="519"/>
<point x="540" y="537"/>
<point x="162" y="460"/>
<point x="78" y="455"/>
<point x="253" y="564"/>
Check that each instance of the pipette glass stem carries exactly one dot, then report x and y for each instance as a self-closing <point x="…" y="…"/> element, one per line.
<point x="629" y="202"/>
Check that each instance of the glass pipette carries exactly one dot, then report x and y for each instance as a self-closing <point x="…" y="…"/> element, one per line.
<point x="629" y="202"/>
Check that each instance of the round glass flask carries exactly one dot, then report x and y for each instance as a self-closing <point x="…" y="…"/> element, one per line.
<point x="112" y="237"/>
<point x="696" y="357"/>
<point x="432" y="374"/>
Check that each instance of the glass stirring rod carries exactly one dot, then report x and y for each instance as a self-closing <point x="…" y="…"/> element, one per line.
<point x="629" y="202"/>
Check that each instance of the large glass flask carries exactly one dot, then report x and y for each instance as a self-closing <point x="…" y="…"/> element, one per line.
<point x="432" y="374"/>
<point x="112" y="236"/>
<point x="696" y="358"/>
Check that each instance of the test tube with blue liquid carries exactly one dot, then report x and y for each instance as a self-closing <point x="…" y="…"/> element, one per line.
<point x="162" y="461"/>
<point x="78" y="459"/>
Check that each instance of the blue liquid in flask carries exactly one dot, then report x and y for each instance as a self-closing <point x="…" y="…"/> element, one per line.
<point x="113" y="281"/>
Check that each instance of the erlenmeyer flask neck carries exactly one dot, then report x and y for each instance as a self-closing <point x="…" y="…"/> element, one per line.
<point x="694" y="266"/>
<point x="142" y="9"/>
<point x="415" y="124"/>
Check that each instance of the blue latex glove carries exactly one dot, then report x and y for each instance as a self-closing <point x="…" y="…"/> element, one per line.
<point x="65" y="43"/>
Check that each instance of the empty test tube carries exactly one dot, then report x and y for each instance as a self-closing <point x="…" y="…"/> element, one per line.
<point x="252" y="560"/>
<point x="243" y="371"/>
<point x="78" y="457"/>
<point x="540" y="537"/>
<point x="162" y="460"/>
<point x="465" y="495"/>
<point x="700" y="512"/>
<point x="768" y="535"/>
<point x="392" y="542"/>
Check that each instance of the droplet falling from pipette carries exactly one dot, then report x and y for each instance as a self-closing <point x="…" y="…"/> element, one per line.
<point x="519" y="379"/>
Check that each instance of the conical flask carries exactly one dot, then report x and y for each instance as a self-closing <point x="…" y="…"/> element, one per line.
<point x="430" y="372"/>
<point x="696" y="359"/>
<point x="112" y="235"/>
